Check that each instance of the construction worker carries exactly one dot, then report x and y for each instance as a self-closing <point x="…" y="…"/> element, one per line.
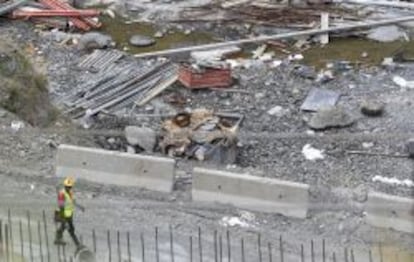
<point x="64" y="216"/>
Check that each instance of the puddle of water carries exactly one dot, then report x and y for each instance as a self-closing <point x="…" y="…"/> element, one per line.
<point x="121" y="33"/>
<point x="351" y="49"/>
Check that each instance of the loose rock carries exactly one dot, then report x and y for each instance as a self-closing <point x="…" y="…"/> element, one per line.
<point x="330" y="117"/>
<point x="360" y="193"/>
<point x="141" y="136"/>
<point x="410" y="148"/>
<point x="141" y="40"/>
<point x="386" y="34"/>
<point x="372" y="107"/>
<point x="95" y="40"/>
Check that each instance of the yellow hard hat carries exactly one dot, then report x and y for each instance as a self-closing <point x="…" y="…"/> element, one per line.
<point x="69" y="182"/>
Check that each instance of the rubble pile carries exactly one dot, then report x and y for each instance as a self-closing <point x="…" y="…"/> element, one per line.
<point x="202" y="135"/>
<point x="55" y="13"/>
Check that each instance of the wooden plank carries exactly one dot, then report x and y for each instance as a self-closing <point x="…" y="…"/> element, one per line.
<point x="157" y="90"/>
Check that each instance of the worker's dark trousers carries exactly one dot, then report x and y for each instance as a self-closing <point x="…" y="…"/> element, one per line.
<point x="67" y="223"/>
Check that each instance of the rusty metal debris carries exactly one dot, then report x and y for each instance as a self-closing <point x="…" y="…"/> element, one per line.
<point x="47" y="11"/>
<point x="201" y="134"/>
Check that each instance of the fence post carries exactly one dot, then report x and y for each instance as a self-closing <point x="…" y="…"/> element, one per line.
<point x="46" y="235"/>
<point x="221" y="248"/>
<point x="191" y="248"/>
<point x="281" y="249"/>
<point x="108" y="236"/>
<point x="228" y="245"/>
<point x="6" y="236"/>
<point x="157" y="254"/>
<point x="215" y="246"/>
<point x="323" y="251"/>
<point x="242" y="250"/>
<point x="259" y="245"/>
<point x="269" y="248"/>
<point x="10" y="234"/>
<point x="142" y="247"/>
<point x="171" y="244"/>
<point x="21" y="238"/>
<point x="346" y="254"/>
<point x="200" y="245"/>
<point x="94" y="240"/>
<point x="129" y="247"/>
<point x="30" y="236"/>
<point x="312" y="251"/>
<point x="302" y="253"/>
<point x="118" y="246"/>
<point x="39" y="233"/>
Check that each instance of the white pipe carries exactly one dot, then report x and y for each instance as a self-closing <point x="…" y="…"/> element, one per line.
<point x="275" y="37"/>
<point x="378" y="2"/>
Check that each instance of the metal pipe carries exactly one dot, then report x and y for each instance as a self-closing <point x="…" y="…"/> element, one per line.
<point x="276" y="37"/>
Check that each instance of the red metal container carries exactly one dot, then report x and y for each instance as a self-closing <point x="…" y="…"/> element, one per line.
<point x="205" y="77"/>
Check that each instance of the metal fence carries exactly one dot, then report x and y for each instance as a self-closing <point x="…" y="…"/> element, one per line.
<point x="29" y="240"/>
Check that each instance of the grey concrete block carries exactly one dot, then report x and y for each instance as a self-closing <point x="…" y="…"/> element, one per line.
<point x="389" y="211"/>
<point x="117" y="168"/>
<point x="251" y="192"/>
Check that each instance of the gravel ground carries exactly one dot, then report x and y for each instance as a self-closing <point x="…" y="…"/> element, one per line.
<point x="270" y="146"/>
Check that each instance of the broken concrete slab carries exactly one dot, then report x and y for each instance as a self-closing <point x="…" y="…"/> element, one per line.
<point x="141" y="136"/>
<point x="331" y="117"/>
<point x="319" y="98"/>
<point x="389" y="33"/>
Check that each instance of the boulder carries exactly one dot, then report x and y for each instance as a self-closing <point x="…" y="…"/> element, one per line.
<point x="389" y="33"/>
<point x="143" y="137"/>
<point x="141" y="40"/>
<point x="372" y="107"/>
<point x="95" y="40"/>
<point x="330" y="117"/>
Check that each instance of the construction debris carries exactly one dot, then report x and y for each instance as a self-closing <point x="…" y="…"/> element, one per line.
<point x="196" y="76"/>
<point x="318" y="98"/>
<point x="48" y="10"/>
<point x="143" y="137"/>
<point x="116" y="84"/>
<point x="202" y="135"/>
<point x="330" y="117"/>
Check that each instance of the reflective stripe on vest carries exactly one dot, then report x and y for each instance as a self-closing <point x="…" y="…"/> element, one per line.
<point x="69" y="207"/>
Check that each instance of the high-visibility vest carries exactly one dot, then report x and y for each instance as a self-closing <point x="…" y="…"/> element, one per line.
<point x="69" y="206"/>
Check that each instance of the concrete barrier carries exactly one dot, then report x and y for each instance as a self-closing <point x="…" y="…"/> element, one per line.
<point x="389" y="211"/>
<point x="251" y="192"/>
<point x="117" y="168"/>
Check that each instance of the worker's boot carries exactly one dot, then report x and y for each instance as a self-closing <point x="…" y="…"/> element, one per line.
<point x="59" y="239"/>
